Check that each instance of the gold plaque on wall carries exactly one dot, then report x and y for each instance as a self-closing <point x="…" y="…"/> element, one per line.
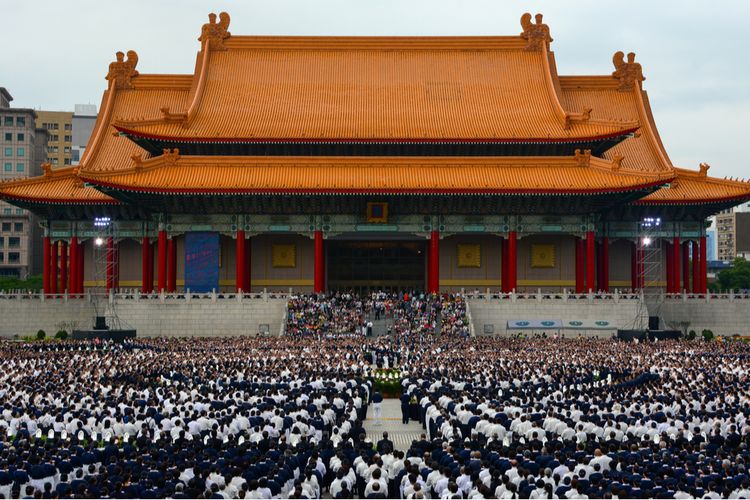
<point x="469" y="255"/>
<point x="283" y="256"/>
<point x="377" y="212"/>
<point x="542" y="255"/>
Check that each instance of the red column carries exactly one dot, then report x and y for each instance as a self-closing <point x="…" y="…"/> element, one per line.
<point x="641" y="265"/>
<point x="116" y="266"/>
<point x="53" y="269"/>
<point x="63" y="266"/>
<point x="634" y="266"/>
<point x="605" y="265"/>
<point x="433" y="264"/>
<point x="703" y="266"/>
<point x="686" y="266"/>
<point x="162" y="256"/>
<point x="73" y="274"/>
<point x="110" y="267"/>
<point x="81" y="255"/>
<point x="676" y="265"/>
<point x="590" y="261"/>
<point x="580" y="264"/>
<point x="240" y="262"/>
<point x="696" y="268"/>
<point x="171" y="265"/>
<point x="248" y="262"/>
<point x="46" y="266"/>
<point x="512" y="261"/>
<point x="504" y="265"/>
<point x="151" y="251"/>
<point x="669" y="266"/>
<point x="319" y="272"/>
<point x="145" y="252"/>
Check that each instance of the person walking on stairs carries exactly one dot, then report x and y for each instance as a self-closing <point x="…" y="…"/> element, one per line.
<point x="377" y="406"/>
<point x="405" y="408"/>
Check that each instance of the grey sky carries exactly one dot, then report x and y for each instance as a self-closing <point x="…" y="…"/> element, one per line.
<point x="693" y="52"/>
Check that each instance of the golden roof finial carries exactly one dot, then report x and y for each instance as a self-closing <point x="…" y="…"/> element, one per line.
<point x="704" y="169"/>
<point x="121" y="71"/>
<point x="617" y="161"/>
<point x="583" y="158"/>
<point x="628" y="73"/>
<point x="47" y="168"/>
<point x="536" y="34"/>
<point x="171" y="156"/>
<point x="214" y="33"/>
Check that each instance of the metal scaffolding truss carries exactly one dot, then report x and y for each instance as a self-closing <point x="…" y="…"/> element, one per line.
<point x="104" y="266"/>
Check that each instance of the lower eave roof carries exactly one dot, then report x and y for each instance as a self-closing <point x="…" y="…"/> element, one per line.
<point x="696" y="188"/>
<point x="60" y="186"/>
<point x="358" y="175"/>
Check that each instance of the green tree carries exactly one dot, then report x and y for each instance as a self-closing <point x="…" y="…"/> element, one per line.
<point x="736" y="277"/>
<point x="33" y="283"/>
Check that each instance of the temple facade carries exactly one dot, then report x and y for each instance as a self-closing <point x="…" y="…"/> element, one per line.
<point x="324" y="163"/>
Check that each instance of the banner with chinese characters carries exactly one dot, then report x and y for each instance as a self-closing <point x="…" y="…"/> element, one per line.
<point x="283" y="256"/>
<point x="469" y="255"/>
<point x="202" y="257"/>
<point x="542" y="255"/>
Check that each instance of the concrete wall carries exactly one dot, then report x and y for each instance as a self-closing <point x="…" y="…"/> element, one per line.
<point x="621" y="313"/>
<point x="150" y="317"/>
<point x="722" y="314"/>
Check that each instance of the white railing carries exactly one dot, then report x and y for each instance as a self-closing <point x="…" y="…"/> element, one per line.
<point x="136" y="295"/>
<point x="564" y="296"/>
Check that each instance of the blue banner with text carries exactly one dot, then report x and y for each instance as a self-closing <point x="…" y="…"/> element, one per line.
<point x="202" y="261"/>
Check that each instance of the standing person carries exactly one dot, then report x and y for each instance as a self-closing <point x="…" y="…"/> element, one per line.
<point x="405" y="408"/>
<point x="377" y="406"/>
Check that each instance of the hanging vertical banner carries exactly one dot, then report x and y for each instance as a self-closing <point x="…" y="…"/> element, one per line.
<point x="201" y="261"/>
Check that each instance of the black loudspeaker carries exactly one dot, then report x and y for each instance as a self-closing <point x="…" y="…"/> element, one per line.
<point x="653" y="322"/>
<point x="100" y="323"/>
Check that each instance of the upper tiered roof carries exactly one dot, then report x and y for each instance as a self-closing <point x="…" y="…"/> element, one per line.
<point x="461" y="93"/>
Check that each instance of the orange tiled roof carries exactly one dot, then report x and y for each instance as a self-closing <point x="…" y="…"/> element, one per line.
<point x="248" y="175"/>
<point x="691" y="187"/>
<point x="387" y="88"/>
<point x="107" y="151"/>
<point x="60" y="186"/>
<point x="643" y="152"/>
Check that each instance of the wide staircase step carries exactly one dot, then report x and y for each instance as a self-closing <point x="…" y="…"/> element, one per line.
<point x="401" y="434"/>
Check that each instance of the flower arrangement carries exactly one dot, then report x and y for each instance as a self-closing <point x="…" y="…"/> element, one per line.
<point x="387" y="382"/>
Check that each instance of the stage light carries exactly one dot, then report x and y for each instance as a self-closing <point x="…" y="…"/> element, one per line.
<point x="646" y="241"/>
<point x="99" y="241"/>
<point x="102" y="221"/>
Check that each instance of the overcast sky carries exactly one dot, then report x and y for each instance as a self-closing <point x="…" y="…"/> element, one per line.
<point x="694" y="53"/>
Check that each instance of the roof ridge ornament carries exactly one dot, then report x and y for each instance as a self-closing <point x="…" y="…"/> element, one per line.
<point x="617" y="161"/>
<point x="583" y="158"/>
<point x="122" y="71"/>
<point x="214" y="33"/>
<point x="47" y="168"/>
<point x="172" y="117"/>
<point x="137" y="160"/>
<point x="628" y="73"/>
<point x="170" y="156"/>
<point x="77" y="181"/>
<point x="536" y="34"/>
<point x="704" y="169"/>
<point x="583" y="116"/>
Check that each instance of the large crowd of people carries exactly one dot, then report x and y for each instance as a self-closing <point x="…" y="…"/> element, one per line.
<point x="406" y="314"/>
<point x="280" y="417"/>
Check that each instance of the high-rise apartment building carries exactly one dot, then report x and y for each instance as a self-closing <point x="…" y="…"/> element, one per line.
<point x="59" y="126"/>
<point x="84" y="118"/>
<point x="733" y="234"/>
<point x="22" y="150"/>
